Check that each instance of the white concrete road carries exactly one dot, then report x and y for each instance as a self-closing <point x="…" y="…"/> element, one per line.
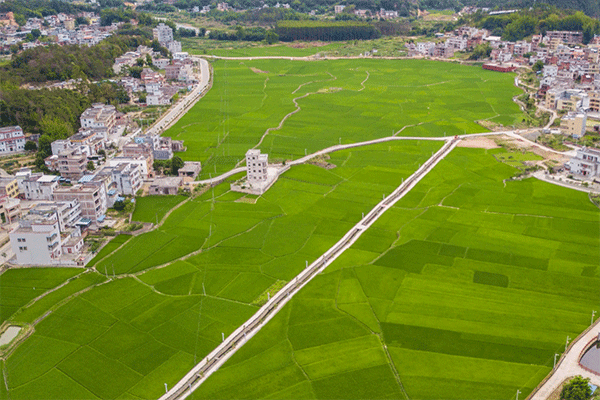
<point x="185" y="103"/>
<point x="240" y="336"/>
<point x="569" y="365"/>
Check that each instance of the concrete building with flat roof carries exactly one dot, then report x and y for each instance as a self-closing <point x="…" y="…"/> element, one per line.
<point x="91" y="197"/>
<point x="190" y="170"/>
<point x="586" y="163"/>
<point x="12" y="140"/>
<point x="10" y="210"/>
<point x="71" y="164"/>
<point x="573" y="124"/>
<point x="163" y="33"/>
<point x="67" y="212"/>
<point x="38" y="186"/>
<point x="36" y="241"/>
<point x="256" y="167"/>
<point x="165" y="186"/>
<point x="9" y="186"/>
<point x="99" y="118"/>
<point x="127" y="177"/>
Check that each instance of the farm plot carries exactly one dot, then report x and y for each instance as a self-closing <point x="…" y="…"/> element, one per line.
<point x="465" y="289"/>
<point x="154" y="208"/>
<point x="130" y="335"/>
<point x="343" y="101"/>
<point x="20" y="286"/>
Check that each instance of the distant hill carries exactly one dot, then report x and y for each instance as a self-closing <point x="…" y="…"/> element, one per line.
<point x="590" y="7"/>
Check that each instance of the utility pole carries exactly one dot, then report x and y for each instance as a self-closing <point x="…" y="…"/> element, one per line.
<point x="593" y="315"/>
<point x="555" y="354"/>
<point x="567" y="343"/>
<point x="518" y="392"/>
<point x="166" y="389"/>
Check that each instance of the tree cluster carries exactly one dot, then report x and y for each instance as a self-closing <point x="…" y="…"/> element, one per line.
<point x="590" y="7"/>
<point x="577" y="388"/>
<point x="256" y="34"/>
<point x="55" y="112"/>
<point x="518" y="26"/>
<point x="325" y="31"/>
<point x="168" y="167"/>
<point x="41" y="64"/>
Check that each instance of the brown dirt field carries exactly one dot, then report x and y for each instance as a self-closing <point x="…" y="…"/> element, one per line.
<point x="258" y="71"/>
<point x="479" y="143"/>
<point x="522" y="144"/>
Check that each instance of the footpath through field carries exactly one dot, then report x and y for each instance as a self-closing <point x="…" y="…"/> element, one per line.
<point x="240" y="336"/>
<point x="568" y="365"/>
<point x="220" y="178"/>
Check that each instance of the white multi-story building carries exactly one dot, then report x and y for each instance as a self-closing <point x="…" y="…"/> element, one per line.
<point x="91" y="196"/>
<point x="256" y="166"/>
<point x="99" y="118"/>
<point x="128" y="178"/>
<point x="38" y="186"/>
<point x="60" y="145"/>
<point x="585" y="163"/>
<point x="36" y="241"/>
<point x="67" y="212"/>
<point x="46" y="233"/>
<point x="174" y="46"/>
<point x="425" y="47"/>
<point x="12" y="140"/>
<point x="139" y="160"/>
<point x="573" y="124"/>
<point x="163" y="33"/>
<point x="457" y="43"/>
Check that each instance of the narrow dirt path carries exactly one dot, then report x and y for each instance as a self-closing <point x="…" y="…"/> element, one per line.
<point x="298" y="108"/>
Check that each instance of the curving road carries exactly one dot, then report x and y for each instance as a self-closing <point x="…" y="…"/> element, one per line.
<point x="569" y="366"/>
<point x="240" y="336"/>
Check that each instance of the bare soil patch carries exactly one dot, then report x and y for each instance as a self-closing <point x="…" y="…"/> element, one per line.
<point x="258" y="71"/>
<point x="478" y="143"/>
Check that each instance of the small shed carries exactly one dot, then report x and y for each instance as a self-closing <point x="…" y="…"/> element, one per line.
<point x="190" y="169"/>
<point x="165" y="186"/>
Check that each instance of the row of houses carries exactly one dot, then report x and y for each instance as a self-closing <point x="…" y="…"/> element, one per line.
<point x="59" y="28"/>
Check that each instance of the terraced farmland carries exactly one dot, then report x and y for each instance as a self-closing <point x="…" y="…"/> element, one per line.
<point x="130" y="335"/>
<point x="465" y="289"/>
<point x="343" y="101"/>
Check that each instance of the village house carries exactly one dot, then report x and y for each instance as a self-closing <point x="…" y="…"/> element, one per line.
<point x="190" y="170"/>
<point x="10" y="210"/>
<point x="165" y="186"/>
<point x="12" y="140"/>
<point x="9" y="186"/>
<point x="573" y="124"/>
<point x="99" y="118"/>
<point x="39" y="239"/>
<point x="586" y="163"/>
<point x="91" y="197"/>
<point x="37" y="186"/>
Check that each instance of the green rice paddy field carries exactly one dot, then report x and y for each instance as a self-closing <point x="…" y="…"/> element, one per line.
<point x="125" y="336"/>
<point x="464" y="290"/>
<point x="340" y="101"/>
